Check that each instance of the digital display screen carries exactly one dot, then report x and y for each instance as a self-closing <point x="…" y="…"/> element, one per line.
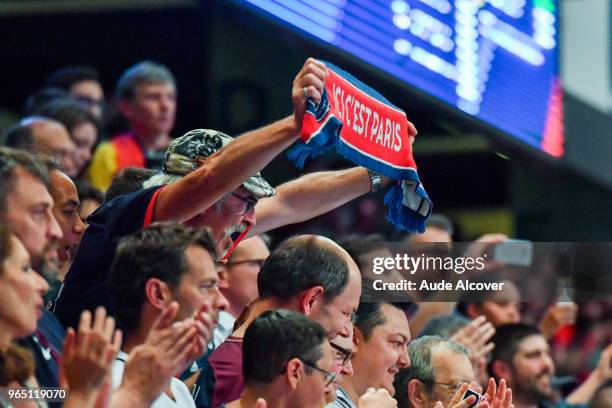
<point x="496" y="60"/>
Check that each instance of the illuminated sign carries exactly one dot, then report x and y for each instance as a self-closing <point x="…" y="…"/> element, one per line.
<point x="493" y="59"/>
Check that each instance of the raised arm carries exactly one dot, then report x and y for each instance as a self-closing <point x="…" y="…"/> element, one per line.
<point x="308" y="196"/>
<point x="225" y="170"/>
<point x="601" y="374"/>
<point x="314" y="194"/>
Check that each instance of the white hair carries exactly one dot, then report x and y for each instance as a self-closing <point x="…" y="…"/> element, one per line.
<point x="160" y="179"/>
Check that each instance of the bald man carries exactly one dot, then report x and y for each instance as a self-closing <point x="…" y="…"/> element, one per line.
<point x="308" y="274"/>
<point x="51" y="138"/>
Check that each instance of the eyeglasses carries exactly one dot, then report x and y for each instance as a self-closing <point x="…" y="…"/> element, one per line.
<point x="250" y="202"/>
<point x="327" y="376"/>
<point x="259" y="262"/>
<point x="345" y="353"/>
<point x="85" y="100"/>
<point x="452" y="387"/>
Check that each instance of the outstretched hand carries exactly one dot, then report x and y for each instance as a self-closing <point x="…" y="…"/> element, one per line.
<point x="458" y="402"/>
<point x="475" y="336"/>
<point x="499" y="397"/>
<point x="168" y="349"/>
<point x="88" y="354"/>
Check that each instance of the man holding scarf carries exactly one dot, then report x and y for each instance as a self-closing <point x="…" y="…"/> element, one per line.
<point x="205" y="182"/>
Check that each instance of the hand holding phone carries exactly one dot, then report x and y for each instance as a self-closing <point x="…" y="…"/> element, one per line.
<point x="470" y="392"/>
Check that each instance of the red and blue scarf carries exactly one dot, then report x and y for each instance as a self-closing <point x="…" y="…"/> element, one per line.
<point x="370" y="131"/>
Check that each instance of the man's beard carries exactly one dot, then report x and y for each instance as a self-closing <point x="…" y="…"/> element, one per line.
<point x="49" y="265"/>
<point x="234" y="229"/>
<point x="533" y="390"/>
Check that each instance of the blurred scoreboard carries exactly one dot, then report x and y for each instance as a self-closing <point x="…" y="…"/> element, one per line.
<point x="496" y="60"/>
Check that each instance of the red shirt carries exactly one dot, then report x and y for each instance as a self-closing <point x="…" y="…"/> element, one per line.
<point x="226" y="362"/>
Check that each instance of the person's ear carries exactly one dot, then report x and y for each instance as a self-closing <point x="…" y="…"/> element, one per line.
<point x="473" y="310"/>
<point x="125" y="107"/>
<point x="223" y="275"/>
<point x="358" y="338"/>
<point x="312" y="299"/>
<point x="157" y="292"/>
<point x="416" y="393"/>
<point x="295" y="370"/>
<point x="501" y="369"/>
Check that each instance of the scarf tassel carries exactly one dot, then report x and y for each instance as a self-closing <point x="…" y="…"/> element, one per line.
<point x="401" y="216"/>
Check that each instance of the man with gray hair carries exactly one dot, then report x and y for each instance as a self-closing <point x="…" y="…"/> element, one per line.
<point x="438" y="369"/>
<point x="146" y="97"/>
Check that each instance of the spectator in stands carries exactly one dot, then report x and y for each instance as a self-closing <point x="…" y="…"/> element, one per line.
<point x="146" y="96"/>
<point x="238" y="281"/>
<point x="308" y="274"/>
<point x="84" y="83"/>
<point x="26" y="208"/>
<point x="287" y="362"/>
<point x="65" y="210"/>
<point x="91" y="198"/>
<point x="42" y="97"/>
<point x="503" y="307"/>
<point x="343" y="353"/>
<point x="438" y="228"/>
<point x="475" y="335"/>
<point x="46" y="136"/>
<point x="438" y="369"/>
<point x="499" y="307"/>
<point x="20" y="307"/>
<point x="128" y="180"/>
<point x="380" y="344"/>
<point x="221" y="193"/>
<point x="522" y="357"/>
<point x="81" y="124"/>
<point x="164" y="264"/>
<point x="86" y="355"/>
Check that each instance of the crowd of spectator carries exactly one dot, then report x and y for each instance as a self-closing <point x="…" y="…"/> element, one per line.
<point x="138" y="270"/>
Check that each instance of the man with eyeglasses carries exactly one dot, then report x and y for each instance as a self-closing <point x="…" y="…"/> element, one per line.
<point x="343" y="353"/>
<point x="438" y="367"/>
<point x="211" y="180"/>
<point x="238" y="281"/>
<point x="287" y="362"/>
<point x="308" y="274"/>
<point x="440" y="375"/>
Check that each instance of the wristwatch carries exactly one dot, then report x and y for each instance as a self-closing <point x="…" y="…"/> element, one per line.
<point x="375" y="180"/>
